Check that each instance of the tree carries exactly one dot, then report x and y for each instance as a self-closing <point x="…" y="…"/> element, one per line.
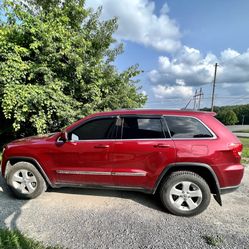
<point x="227" y="117"/>
<point x="56" y="65"/>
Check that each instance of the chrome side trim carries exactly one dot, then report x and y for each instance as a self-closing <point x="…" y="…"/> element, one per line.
<point x="77" y="172"/>
<point x="116" y="140"/>
<point x="90" y="140"/>
<point x="129" y="174"/>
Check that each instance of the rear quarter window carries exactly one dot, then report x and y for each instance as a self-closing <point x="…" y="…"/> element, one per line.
<point x="187" y="127"/>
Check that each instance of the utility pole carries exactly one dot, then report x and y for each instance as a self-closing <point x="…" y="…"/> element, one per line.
<point x="243" y="119"/>
<point x="215" y="72"/>
<point x="197" y="99"/>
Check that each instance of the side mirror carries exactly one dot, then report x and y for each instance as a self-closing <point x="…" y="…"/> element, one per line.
<point x="63" y="136"/>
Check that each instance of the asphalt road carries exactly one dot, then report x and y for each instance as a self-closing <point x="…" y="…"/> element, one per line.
<point x="82" y="218"/>
<point x="240" y="134"/>
<point x="238" y="127"/>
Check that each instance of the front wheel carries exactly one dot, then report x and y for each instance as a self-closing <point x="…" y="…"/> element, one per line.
<point x="25" y="180"/>
<point x="185" y="193"/>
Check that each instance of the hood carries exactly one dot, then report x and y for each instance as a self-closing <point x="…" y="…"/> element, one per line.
<point x="32" y="139"/>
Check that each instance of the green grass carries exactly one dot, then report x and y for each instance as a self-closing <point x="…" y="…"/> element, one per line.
<point x="16" y="240"/>
<point x="213" y="240"/>
<point x="245" y="141"/>
<point x="245" y="152"/>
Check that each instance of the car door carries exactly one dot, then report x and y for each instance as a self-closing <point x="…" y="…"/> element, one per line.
<point x="192" y="138"/>
<point x="142" y="152"/>
<point x="85" y="158"/>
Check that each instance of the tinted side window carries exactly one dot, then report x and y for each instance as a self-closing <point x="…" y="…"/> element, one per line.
<point x="94" y="130"/>
<point x="186" y="127"/>
<point x="142" y="128"/>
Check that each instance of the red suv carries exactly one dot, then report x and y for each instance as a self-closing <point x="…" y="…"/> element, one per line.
<point x="184" y="156"/>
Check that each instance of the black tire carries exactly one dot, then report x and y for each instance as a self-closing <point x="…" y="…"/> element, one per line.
<point x="180" y="202"/>
<point x="25" y="181"/>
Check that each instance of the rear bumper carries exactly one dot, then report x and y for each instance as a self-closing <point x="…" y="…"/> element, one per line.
<point x="228" y="189"/>
<point x="230" y="176"/>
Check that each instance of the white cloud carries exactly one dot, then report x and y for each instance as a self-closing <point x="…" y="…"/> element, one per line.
<point x="139" y="23"/>
<point x="234" y="67"/>
<point x="188" y="65"/>
<point x="196" y="70"/>
<point x="229" y="54"/>
<point x="185" y="68"/>
<point x="189" y="68"/>
<point x="179" y="91"/>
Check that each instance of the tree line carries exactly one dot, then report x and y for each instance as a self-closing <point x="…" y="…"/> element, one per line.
<point x="231" y="115"/>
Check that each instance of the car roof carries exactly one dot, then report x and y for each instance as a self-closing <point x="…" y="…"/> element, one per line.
<point x="157" y="112"/>
<point x="154" y="112"/>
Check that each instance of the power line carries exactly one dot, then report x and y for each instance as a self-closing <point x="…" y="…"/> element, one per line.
<point x="243" y="97"/>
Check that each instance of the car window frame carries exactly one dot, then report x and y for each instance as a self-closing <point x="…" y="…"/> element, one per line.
<point x="160" y="117"/>
<point x="214" y="136"/>
<point x="93" y="119"/>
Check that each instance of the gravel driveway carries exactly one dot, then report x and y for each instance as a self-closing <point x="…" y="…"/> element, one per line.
<point x="83" y="218"/>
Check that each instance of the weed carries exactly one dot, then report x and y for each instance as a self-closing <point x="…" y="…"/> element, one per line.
<point x="213" y="240"/>
<point x="13" y="239"/>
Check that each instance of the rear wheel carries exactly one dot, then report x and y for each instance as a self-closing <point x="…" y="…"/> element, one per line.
<point x="25" y="180"/>
<point x="185" y="193"/>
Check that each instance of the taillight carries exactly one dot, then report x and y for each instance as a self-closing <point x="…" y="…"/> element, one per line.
<point x="236" y="149"/>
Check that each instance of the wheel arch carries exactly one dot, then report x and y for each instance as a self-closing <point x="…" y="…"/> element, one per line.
<point x="203" y="170"/>
<point x="13" y="160"/>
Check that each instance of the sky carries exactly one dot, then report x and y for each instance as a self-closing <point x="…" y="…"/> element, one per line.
<point x="177" y="42"/>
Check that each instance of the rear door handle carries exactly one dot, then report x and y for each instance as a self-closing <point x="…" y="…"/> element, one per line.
<point x="102" y="146"/>
<point x="162" y="146"/>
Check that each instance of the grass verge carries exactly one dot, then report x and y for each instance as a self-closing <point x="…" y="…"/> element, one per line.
<point x="16" y="240"/>
<point x="245" y="152"/>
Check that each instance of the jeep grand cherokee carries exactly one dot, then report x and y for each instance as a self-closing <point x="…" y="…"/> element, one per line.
<point x="184" y="156"/>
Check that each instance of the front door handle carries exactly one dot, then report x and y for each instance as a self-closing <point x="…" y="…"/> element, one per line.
<point x="162" y="146"/>
<point x="102" y="146"/>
